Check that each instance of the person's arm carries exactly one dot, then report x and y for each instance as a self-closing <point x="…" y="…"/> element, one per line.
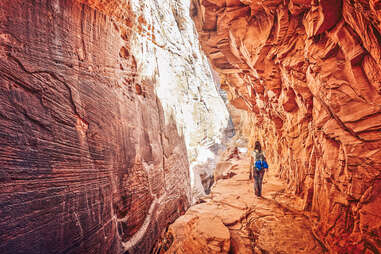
<point x="266" y="169"/>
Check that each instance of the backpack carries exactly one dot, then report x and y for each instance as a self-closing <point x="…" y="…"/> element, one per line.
<point x="261" y="164"/>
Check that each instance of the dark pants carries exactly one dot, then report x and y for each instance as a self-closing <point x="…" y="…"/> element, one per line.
<point x="258" y="178"/>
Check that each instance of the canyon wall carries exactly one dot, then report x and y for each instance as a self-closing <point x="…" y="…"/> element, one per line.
<point x="167" y="50"/>
<point x="308" y="73"/>
<point x="93" y="103"/>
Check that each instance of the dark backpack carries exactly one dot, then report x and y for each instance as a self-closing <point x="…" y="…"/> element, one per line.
<point x="259" y="165"/>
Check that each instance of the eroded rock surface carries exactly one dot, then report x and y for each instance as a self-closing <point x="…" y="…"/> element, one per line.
<point x="166" y="49"/>
<point x="309" y="73"/>
<point x="233" y="220"/>
<point x="92" y="151"/>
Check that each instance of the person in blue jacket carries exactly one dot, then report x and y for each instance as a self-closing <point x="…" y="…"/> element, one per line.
<point x="259" y="167"/>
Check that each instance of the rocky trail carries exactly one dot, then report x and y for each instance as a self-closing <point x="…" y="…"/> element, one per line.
<point x="233" y="220"/>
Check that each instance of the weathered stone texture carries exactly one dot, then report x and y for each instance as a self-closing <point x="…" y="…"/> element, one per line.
<point x="88" y="162"/>
<point x="309" y="73"/>
<point x="233" y="220"/>
<point x="166" y="49"/>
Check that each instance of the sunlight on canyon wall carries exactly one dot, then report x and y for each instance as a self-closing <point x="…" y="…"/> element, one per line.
<point x="167" y="52"/>
<point x="103" y="107"/>
<point x="308" y="74"/>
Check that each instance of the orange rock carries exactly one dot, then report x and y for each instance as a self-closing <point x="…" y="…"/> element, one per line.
<point x="96" y="101"/>
<point x="232" y="218"/>
<point x="309" y="74"/>
<point x="198" y="233"/>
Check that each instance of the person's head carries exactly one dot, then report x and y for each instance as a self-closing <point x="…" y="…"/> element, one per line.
<point x="258" y="146"/>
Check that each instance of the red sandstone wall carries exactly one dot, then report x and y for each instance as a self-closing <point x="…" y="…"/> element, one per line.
<point x="87" y="164"/>
<point x="310" y="73"/>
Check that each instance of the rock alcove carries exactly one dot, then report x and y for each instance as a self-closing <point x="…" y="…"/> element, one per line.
<point x="117" y="115"/>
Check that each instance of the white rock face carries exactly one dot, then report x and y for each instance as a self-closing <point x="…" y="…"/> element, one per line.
<point x="169" y="53"/>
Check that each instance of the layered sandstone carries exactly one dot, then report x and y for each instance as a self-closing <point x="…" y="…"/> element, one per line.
<point x="93" y="103"/>
<point x="309" y="73"/>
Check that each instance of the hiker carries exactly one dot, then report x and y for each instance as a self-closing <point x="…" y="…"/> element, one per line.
<point x="259" y="168"/>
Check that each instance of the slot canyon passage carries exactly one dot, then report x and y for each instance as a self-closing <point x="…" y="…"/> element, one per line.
<point x="120" y="119"/>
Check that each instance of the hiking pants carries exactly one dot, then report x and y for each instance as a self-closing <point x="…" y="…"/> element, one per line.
<point x="258" y="178"/>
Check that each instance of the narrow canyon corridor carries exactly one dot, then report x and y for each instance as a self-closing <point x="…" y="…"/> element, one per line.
<point x="233" y="220"/>
<point x="126" y="126"/>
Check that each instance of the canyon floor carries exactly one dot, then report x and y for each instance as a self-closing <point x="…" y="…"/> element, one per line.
<point x="233" y="220"/>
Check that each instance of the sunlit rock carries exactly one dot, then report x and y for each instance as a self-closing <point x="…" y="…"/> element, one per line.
<point x="105" y="109"/>
<point x="307" y="74"/>
<point x="232" y="216"/>
<point x="184" y="82"/>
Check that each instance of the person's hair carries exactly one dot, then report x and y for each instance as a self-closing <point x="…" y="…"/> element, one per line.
<point x="258" y="146"/>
